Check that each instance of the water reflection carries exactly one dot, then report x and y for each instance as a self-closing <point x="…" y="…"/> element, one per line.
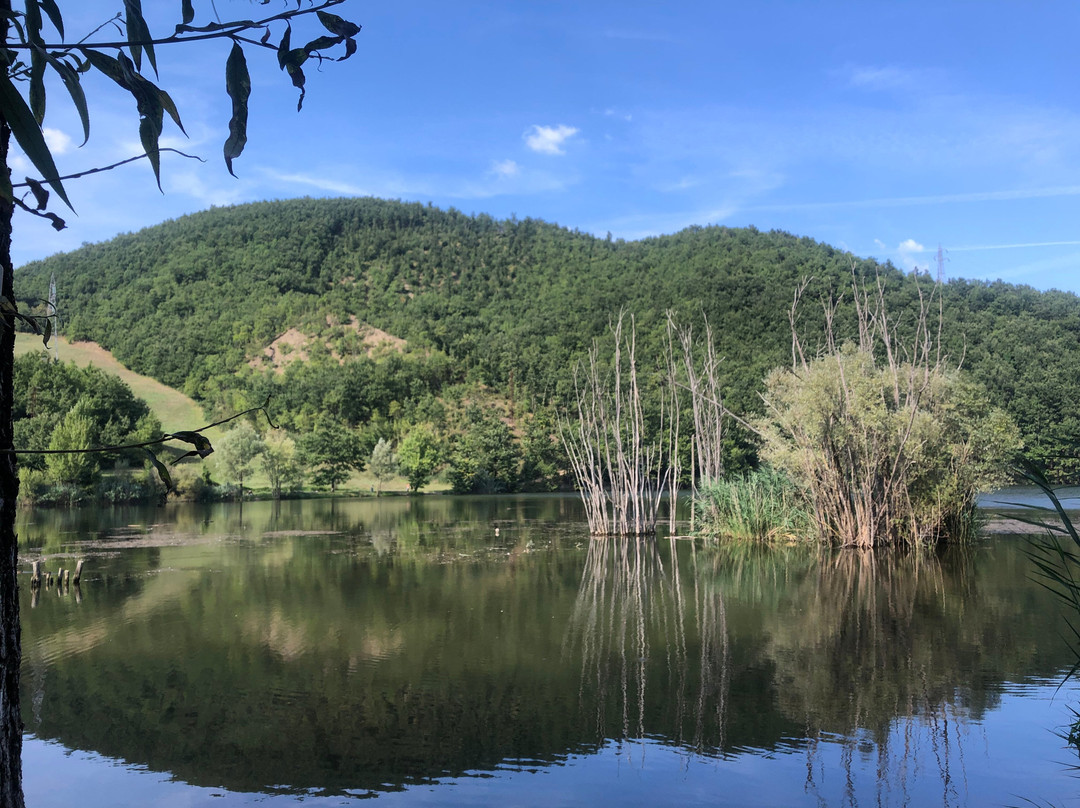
<point x="634" y="615"/>
<point x="335" y="648"/>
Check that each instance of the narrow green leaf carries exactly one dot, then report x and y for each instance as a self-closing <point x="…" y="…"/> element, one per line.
<point x="149" y="135"/>
<point x="37" y="83"/>
<point x="29" y="136"/>
<point x="70" y="77"/>
<point x="291" y="62"/>
<point x="33" y="22"/>
<point x="336" y="25"/>
<point x="107" y="65"/>
<point x="167" y="104"/>
<point x="238" y="86"/>
<point x="322" y="43"/>
<point x="284" y="47"/>
<point x="37" y="63"/>
<point x="350" y="49"/>
<point x="187" y="13"/>
<point x="138" y="34"/>
<point x="162" y="471"/>
<point x="41" y="196"/>
<point x="47" y="332"/>
<point x="55" y="17"/>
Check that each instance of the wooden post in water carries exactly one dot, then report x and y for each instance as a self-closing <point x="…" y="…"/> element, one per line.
<point x="78" y="573"/>
<point x="35" y="575"/>
<point x="67" y="578"/>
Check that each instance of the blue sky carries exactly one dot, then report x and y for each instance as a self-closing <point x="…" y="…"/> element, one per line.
<point x="884" y="128"/>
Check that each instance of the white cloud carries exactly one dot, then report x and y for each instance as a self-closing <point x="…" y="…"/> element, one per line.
<point x="908" y="253"/>
<point x="57" y="141"/>
<point x="506" y="168"/>
<point x="549" y="139"/>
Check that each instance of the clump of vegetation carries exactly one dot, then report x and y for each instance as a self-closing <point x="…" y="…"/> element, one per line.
<point x="764" y="505"/>
<point x="485" y="458"/>
<point x="891" y="445"/>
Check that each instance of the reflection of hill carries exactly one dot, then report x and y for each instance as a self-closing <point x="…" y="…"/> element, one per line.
<point x="387" y="654"/>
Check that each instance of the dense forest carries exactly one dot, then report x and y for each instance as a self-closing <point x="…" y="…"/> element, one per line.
<point x="507" y="306"/>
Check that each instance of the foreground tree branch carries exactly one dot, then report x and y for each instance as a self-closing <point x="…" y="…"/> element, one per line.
<point x="29" y="53"/>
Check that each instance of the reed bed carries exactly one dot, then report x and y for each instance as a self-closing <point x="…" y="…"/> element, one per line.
<point x="764" y="505"/>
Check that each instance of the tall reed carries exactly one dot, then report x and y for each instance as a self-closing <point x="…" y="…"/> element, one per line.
<point x="761" y="506"/>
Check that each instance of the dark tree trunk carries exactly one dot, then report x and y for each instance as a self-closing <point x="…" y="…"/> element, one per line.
<point x="11" y="795"/>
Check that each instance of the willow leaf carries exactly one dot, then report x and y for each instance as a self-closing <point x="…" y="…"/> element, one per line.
<point x="162" y="471"/>
<point x="55" y="17"/>
<point x="336" y="25"/>
<point x="70" y="77"/>
<point x="138" y="34"/>
<point x="29" y="137"/>
<point x="238" y="85"/>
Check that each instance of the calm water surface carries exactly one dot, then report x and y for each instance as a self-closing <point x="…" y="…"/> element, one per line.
<point x="454" y="651"/>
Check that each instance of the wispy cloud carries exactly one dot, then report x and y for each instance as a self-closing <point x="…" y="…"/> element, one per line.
<point x="867" y="77"/>
<point x="1024" y="246"/>
<point x="320" y="182"/>
<point x="549" y="139"/>
<point x="505" y="169"/>
<point x="933" y="199"/>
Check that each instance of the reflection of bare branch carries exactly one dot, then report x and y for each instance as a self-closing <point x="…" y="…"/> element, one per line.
<point x="632" y="612"/>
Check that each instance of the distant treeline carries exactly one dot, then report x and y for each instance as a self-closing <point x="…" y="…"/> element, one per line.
<point x="510" y="305"/>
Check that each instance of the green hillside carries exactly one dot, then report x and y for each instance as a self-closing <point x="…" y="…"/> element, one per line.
<point x="509" y="304"/>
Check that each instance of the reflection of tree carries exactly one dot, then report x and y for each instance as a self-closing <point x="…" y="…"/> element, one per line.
<point x="876" y="662"/>
<point x="631" y="608"/>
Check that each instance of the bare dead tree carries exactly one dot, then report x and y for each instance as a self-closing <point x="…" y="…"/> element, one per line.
<point x="618" y="466"/>
<point x="698" y="374"/>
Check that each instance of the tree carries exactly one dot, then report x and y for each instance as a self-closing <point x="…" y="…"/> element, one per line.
<point x="73" y="432"/>
<point x="419" y="456"/>
<point x="33" y="40"/>
<point x="486" y="459"/>
<point x="383" y="462"/>
<point x="545" y="463"/>
<point x="333" y="451"/>
<point x="280" y="463"/>
<point x="237" y="452"/>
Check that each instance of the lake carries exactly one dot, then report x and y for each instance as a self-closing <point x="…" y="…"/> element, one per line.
<point x="486" y="651"/>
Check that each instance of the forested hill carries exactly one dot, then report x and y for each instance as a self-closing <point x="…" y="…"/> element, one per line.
<point x="511" y="303"/>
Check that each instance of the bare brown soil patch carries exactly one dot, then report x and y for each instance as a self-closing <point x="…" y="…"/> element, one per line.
<point x="294" y="345"/>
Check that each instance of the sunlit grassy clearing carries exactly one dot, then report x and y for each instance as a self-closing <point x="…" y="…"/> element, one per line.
<point x="174" y="409"/>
